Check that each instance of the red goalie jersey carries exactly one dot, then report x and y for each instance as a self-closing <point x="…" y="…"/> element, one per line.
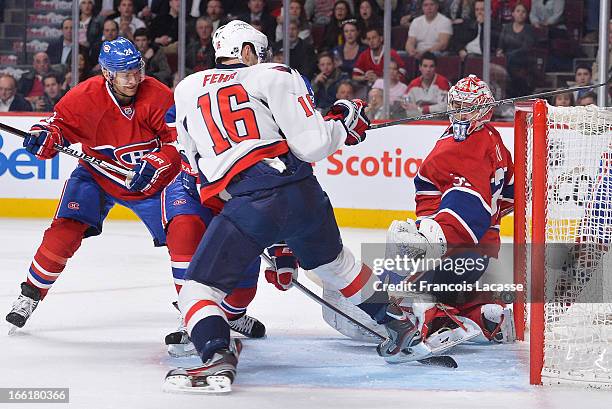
<point x="466" y="186"/>
<point x="89" y="114"/>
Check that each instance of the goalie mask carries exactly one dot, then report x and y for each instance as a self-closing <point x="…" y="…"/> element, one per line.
<point x="468" y="92"/>
<point x="229" y="39"/>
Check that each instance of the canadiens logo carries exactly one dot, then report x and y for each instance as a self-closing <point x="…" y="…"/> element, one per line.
<point x="106" y="48"/>
<point x="130" y="155"/>
<point x="128" y="112"/>
<point x="73" y="205"/>
<point x="179" y="202"/>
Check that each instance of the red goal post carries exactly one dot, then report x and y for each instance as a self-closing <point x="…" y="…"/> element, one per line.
<point x="563" y="195"/>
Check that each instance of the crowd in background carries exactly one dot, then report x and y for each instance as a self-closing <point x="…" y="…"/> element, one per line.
<point x="337" y="44"/>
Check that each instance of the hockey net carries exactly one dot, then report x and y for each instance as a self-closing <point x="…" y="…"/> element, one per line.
<point x="563" y="237"/>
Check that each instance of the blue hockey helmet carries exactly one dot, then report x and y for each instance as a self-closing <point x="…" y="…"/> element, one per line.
<point x="120" y="55"/>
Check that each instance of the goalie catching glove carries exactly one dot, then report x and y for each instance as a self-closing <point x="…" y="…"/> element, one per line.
<point x="42" y="139"/>
<point x="404" y="238"/>
<point x="352" y="115"/>
<point x="285" y="268"/>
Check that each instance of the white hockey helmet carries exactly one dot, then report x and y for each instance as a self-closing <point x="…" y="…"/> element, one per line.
<point x="468" y="92"/>
<point x="229" y="39"/>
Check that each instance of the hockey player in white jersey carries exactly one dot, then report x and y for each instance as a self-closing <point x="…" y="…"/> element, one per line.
<point x="251" y="130"/>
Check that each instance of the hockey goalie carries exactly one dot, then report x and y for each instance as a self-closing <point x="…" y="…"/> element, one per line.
<point x="463" y="188"/>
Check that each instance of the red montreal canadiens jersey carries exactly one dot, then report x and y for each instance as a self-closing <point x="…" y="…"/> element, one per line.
<point x="466" y="186"/>
<point x="90" y="115"/>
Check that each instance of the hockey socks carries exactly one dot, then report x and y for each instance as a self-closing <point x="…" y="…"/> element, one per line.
<point x="182" y="238"/>
<point x="60" y="241"/>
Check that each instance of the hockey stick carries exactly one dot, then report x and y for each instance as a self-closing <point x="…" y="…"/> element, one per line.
<point x="442" y="360"/>
<point x="489" y="105"/>
<point x="128" y="174"/>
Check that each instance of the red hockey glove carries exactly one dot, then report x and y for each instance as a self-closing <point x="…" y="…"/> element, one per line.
<point x="155" y="171"/>
<point x="286" y="267"/>
<point x="41" y="142"/>
<point x="352" y="115"/>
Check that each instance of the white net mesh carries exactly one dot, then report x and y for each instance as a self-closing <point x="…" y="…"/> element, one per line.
<point x="578" y="279"/>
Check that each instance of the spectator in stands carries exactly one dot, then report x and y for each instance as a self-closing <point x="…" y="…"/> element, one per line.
<point x="471" y="39"/>
<point x="200" y="54"/>
<point x="333" y="31"/>
<point x="397" y="89"/>
<point x="428" y="92"/>
<point x="591" y="26"/>
<point x="319" y="11"/>
<point x="301" y="54"/>
<point x="106" y="9"/>
<point x="548" y="14"/>
<point x="374" y="110"/>
<point x="411" y="10"/>
<point x="110" y="31"/>
<point x="516" y="38"/>
<point x="257" y="13"/>
<point x="345" y="90"/>
<point x="296" y="11"/>
<point x="53" y="93"/>
<point x="149" y="9"/>
<point x="369" y="65"/>
<point x="398" y="9"/>
<point x="90" y="27"/>
<point x="164" y="28"/>
<point x="214" y="10"/>
<point x="462" y="11"/>
<point x="30" y="84"/>
<point x="156" y="62"/>
<point x="60" y="48"/>
<point x="325" y="83"/>
<point x="590" y="98"/>
<point x="367" y="18"/>
<point x="430" y="32"/>
<point x="563" y="100"/>
<point x="515" y="42"/>
<point x="351" y="47"/>
<point x="84" y="69"/>
<point x="10" y="101"/>
<point x="583" y="75"/>
<point x="501" y="10"/>
<point x="128" y="22"/>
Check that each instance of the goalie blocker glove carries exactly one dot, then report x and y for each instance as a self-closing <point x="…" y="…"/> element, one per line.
<point x="155" y="171"/>
<point x="41" y="140"/>
<point x="285" y="268"/>
<point x="352" y="115"/>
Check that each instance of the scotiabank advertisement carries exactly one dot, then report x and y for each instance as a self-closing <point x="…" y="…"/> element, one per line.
<point x="376" y="174"/>
<point x="379" y="173"/>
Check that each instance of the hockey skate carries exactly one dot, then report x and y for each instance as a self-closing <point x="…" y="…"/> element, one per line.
<point x="215" y="376"/>
<point x="23" y="307"/>
<point x="405" y="343"/>
<point x="248" y="326"/>
<point x="179" y="344"/>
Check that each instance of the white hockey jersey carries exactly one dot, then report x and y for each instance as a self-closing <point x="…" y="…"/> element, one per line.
<point x="230" y="118"/>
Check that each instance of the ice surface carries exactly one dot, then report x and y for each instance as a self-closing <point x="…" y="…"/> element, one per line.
<point x="100" y="333"/>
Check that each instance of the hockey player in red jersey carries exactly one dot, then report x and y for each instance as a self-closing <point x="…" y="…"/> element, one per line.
<point x="119" y="117"/>
<point x="463" y="188"/>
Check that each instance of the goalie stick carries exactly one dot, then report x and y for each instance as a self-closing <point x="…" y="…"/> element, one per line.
<point x="128" y="174"/>
<point x="440" y="360"/>
<point x="489" y="105"/>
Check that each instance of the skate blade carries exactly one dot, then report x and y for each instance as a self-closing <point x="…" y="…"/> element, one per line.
<point x="414" y="353"/>
<point x="182" y="350"/>
<point x="217" y="385"/>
